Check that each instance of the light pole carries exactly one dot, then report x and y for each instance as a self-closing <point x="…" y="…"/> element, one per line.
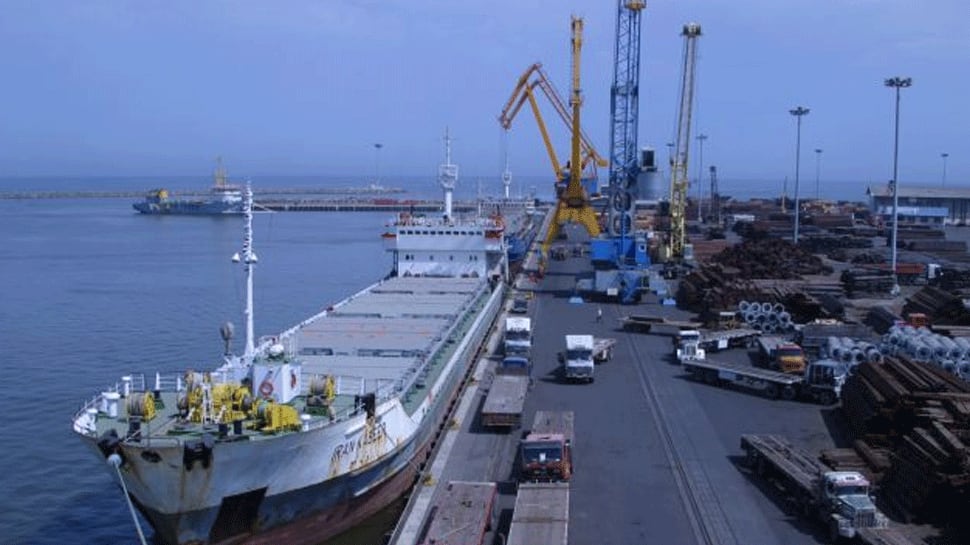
<point x="798" y="112"/>
<point x="377" y="163"/>
<point x="944" y="155"/>
<point x="896" y="83"/>
<point x="700" y="176"/>
<point x="818" y="162"/>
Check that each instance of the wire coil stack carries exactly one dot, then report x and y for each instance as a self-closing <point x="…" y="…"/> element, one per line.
<point x="766" y="317"/>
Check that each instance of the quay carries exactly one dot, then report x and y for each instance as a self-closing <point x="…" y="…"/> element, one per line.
<point x="657" y="455"/>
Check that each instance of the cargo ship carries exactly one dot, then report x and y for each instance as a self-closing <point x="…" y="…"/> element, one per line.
<point x="308" y="432"/>
<point x="224" y="199"/>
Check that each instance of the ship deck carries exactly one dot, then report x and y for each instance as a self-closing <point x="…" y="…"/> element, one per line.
<point x="394" y="339"/>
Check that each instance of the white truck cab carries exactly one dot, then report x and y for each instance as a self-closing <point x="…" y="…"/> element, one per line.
<point x="689" y="346"/>
<point x="518" y="336"/>
<point x="578" y="361"/>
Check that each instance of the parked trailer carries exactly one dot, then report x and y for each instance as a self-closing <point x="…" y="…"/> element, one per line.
<point x="462" y="514"/>
<point x="713" y="341"/>
<point x="840" y="499"/>
<point x="541" y="515"/>
<point x="505" y="401"/>
<point x="821" y="382"/>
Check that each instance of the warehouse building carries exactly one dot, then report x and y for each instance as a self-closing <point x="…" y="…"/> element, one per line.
<point x="922" y="205"/>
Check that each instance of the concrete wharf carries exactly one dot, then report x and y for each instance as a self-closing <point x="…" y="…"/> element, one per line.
<point x="657" y="456"/>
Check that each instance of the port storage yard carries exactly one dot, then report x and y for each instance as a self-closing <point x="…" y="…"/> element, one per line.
<point x="657" y="457"/>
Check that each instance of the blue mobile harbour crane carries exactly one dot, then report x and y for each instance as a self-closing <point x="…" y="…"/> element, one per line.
<point x="620" y="260"/>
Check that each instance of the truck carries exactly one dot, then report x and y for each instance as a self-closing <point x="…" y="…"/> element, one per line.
<point x="506" y="396"/>
<point x="518" y="336"/>
<point x="462" y="514"/>
<point x="520" y="305"/>
<point x="821" y="381"/>
<point x="780" y="354"/>
<point x="541" y="515"/>
<point x="839" y="499"/>
<point x="582" y="354"/>
<point x="695" y="343"/>
<point x="545" y="452"/>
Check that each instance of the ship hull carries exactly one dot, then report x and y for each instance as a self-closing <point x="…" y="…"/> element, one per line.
<point x="178" y="208"/>
<point x="286" y="490"/>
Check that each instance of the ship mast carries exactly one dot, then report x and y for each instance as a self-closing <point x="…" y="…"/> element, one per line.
<point x="248" y="257"/>
<point x="447" y="176"/>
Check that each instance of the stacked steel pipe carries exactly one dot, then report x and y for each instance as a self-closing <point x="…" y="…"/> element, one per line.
<point x="921" y="414"/>
<point x="767" y="317"/>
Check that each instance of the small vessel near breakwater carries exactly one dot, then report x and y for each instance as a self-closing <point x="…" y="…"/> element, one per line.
<point x="224" y="199"/>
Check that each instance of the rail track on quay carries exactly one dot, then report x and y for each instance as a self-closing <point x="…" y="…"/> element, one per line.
<point x="701" y="505"/>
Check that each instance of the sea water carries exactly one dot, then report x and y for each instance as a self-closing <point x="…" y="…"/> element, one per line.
<point x="91" y="290"/>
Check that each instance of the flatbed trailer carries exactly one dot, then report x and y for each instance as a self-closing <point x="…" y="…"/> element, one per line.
<point x="505" y="401"/>
<point x="771" y="383"/>
<point x="541" y="515"/>
<point x="462" y="514"/>
<point x="712" y="341"/>
<point x="656" y="324"/>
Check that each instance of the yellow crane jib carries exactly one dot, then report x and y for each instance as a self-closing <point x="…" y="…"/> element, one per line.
<point x="525" y="90"/>
<point x="573" y="205"/>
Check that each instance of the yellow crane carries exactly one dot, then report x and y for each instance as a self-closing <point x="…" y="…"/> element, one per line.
<point x="573" y="204"/>
<point x="534" y="78"/>
<point x="678" y="161"/>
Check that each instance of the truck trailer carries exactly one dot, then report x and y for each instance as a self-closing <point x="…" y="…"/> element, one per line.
<point x="839" y="499"/>
<point x="506" y="396"/>
<point x="541" y="515"/>
<point x="821" y="382"/>
<point x="462" y="514"/>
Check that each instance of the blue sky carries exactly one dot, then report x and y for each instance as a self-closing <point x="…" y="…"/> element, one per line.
<point x="306" y="87"/>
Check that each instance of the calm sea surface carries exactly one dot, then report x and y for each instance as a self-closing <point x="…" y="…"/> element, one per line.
<point x="90" y="291"/>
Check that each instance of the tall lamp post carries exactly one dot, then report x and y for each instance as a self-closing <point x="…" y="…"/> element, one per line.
<point x="897" y="83"/>
<point x="377" y="163"/>
<point x="700" y="176"/>
<point x="798" y="112"/>
<point x="818" y="162"/>
<point x="944" y="155"/>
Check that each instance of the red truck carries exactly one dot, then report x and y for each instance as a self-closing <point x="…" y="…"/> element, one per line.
<point x="546" y="451"/>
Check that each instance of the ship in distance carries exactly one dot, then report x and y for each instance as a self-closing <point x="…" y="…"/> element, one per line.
<point x="224" y="199"/>
<point x="308" y="432"/>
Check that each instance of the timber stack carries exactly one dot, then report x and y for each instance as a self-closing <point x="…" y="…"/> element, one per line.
<point x="918" y="416"/>
<point x="939" y="305"/>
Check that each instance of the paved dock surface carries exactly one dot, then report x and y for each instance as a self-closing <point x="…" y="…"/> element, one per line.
<point x="656" y="455"/>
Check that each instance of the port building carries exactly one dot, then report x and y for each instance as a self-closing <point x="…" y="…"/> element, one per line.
<point x="922" y="205"/>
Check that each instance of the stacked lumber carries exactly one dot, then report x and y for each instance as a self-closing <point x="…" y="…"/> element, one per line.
<point x="921" y="414"/>
<point x="939" y="305"/>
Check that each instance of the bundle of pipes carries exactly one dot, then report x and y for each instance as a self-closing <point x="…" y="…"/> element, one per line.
<point x="767" y="317"/>
<point x="952" y="354"/>
<point x="940" y="305"/>
<point x="921" y="414"/>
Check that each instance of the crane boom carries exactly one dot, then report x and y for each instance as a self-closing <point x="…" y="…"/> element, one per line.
<point x="678" y="167"/>
<point x="525" y="90"/>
